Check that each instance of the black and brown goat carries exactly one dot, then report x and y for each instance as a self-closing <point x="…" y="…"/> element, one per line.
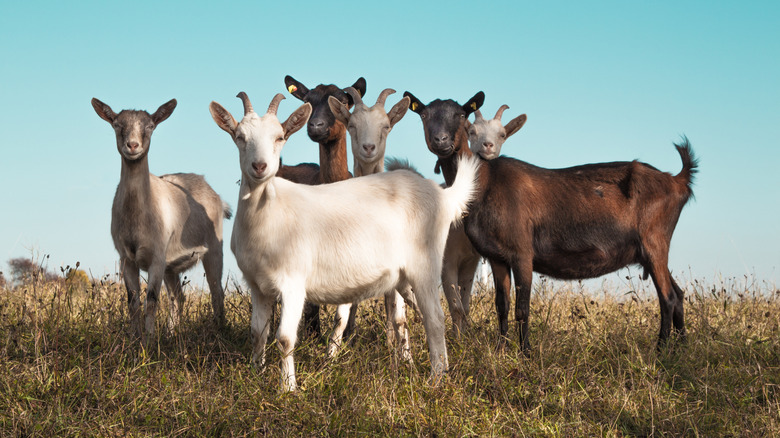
<point x="449" y="133"/>
<point x="574" y="223"/>
<point x="331" y="135"/>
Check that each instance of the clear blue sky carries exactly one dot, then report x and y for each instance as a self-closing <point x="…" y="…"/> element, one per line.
<point x="600" y="81"/>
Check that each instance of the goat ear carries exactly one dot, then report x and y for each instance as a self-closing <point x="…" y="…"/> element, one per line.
<point x="515" y="124"/>
<point x="297" y="120"/>
<point x="223" y="118"/>
<point x="399" y="111"/>
<point x="295" y="88"/>
<point x="104" y="111"/>
<point x="360" y="86"/>
<point x="414" y="103"/>
<point x="339" y="110"/>
<point x="164" y="111"/>
<point x="474" y="103"/>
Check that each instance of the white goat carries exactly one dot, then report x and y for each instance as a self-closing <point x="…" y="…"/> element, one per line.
<point x="460" y="258"/>
<point x="486" y="136"/>
<point x="368" y="129"/>
<point x="335" y="243"/>
<point x="162" y="225"/>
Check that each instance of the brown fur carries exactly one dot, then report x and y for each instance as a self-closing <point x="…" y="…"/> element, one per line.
<point x="445" y="124"/>
<point x="331" y="136"/>
<point x="576" y="223"/>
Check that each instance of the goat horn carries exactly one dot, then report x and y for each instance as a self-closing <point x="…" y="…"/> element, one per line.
<point x="355" y="96"/>
<point x="247" y="104"/>
<point x="500" y="112"/>
<point x="478" y="116"/>
<point x="274" y="106"/>
<point x="383" y="96"/>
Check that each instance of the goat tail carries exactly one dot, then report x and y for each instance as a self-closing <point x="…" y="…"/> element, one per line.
<point x="464" y="188"/>
<point x="226" y="210"/>
<point x="690" y="162"/>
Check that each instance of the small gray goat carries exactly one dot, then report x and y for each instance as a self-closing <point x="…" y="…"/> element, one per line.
<point x="162" y="225"/>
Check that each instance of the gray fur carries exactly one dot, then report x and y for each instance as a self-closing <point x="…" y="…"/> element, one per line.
<point x="162" y="225"/>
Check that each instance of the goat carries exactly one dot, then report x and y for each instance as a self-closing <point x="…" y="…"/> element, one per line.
<point x="368" y="128"/>
<point x="460" y="258"/>
<point x="331" y="135"/>
<point x="334" y="243"/>
<point x="486" y="136"/>
<point x="574" y="223"/>
<point x="162" y="225"/>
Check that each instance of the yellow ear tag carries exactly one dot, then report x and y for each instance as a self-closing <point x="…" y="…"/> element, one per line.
<point x="292" y="89"/>
<point x="474" y="106"/>
<point x="414" y="106"/>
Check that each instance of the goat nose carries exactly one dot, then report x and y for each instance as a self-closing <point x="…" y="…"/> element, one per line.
<point x="487" y="145"/>
<point x="132" y="145"/>
<point x="259" y="167"/>
<point x="441" y="138"/>
<point x="317" y="123"/>
<point x="369" y="148"/>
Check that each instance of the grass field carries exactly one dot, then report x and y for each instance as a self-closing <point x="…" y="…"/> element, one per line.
<point x="68" y="368"/>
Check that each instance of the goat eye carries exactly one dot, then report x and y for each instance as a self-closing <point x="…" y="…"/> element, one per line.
<point x="502" y="135"/>
<point x="423" y="116"/>
<point x="279" y="139"/>
<point x="149" y="127"/>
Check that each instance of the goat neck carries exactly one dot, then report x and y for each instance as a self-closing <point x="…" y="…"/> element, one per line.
<point x="368" y="169"/>
<point x="134" y="182"/>
<point x="449" y="164"/>
<point x="333" y="156"/>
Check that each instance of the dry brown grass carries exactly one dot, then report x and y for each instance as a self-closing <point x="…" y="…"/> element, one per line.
<point x="68" y="368"/>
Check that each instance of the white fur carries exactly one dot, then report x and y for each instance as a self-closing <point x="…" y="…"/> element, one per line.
<point x="487" y="136"/>
<point x="339" y="243"/>
<point x="368" y="129"/>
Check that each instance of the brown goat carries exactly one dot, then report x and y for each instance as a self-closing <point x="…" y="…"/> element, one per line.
<point x="460" y="258"/>
<point x="331" y="135"/>
<point x="574" y="223"/>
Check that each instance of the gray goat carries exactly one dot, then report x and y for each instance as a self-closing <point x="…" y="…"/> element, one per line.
<point x="162" y="225"/>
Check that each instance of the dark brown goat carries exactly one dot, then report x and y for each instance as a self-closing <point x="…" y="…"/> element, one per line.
<point x="331" y="135"/>
<point x="460" y="258"/>
<point x="576" y="223"/>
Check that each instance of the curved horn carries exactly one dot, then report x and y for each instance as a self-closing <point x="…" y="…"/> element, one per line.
<point x="355" y="96"/>
<point x="478" y="116"/>
<point x="500" y="112"/>
<point x="247" y="104"/>
<point x="274" y="106"/>
<point x="383" y="96"/>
